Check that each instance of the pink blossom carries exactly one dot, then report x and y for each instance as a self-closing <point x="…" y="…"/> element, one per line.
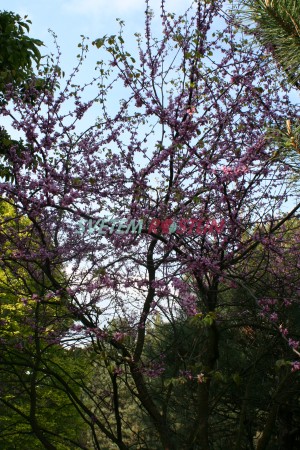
<point x="293" y="344"/>
<point x="295" y="366"/>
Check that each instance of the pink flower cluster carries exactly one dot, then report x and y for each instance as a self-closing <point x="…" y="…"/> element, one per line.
<point x="295" y="366"/>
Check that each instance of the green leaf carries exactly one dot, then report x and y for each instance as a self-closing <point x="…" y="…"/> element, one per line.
<point x="99" y="42"/>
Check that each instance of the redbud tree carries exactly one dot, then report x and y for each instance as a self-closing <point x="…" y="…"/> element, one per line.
<point x="185" y="149"/>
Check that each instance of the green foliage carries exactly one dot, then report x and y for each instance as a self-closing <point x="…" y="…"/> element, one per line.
<point x="6" y="144"/>
<point x="27" y="392"/>
<point x="287" y="140"/>
<point x="18" y="51"/>
<point x="278" y="28"/>
<point x="18" y="54"/>
<point x="33" y="405"/>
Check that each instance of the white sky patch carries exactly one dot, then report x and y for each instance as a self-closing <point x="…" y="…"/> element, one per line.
<point x="87" y="7"/>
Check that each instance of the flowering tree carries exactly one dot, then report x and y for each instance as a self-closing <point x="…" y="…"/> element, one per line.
<point x="186" y="179"/>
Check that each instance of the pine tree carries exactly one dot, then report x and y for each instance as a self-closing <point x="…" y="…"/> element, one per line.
<point x="278" y="28"/>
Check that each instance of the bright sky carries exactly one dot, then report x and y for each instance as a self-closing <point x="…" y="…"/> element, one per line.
<point x="69" y="19"/>
<point x="94" y="18"/>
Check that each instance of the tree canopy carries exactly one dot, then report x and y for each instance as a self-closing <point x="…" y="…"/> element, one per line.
<point x="19" y="52"/>
<point x="164" y="256"/>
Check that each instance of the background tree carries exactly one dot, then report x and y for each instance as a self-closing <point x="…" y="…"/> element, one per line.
<point x="20" y="58"/>
<point x="32" y="335"/>
<point x="278" y="29"/>
<point x="19" y="52"/>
